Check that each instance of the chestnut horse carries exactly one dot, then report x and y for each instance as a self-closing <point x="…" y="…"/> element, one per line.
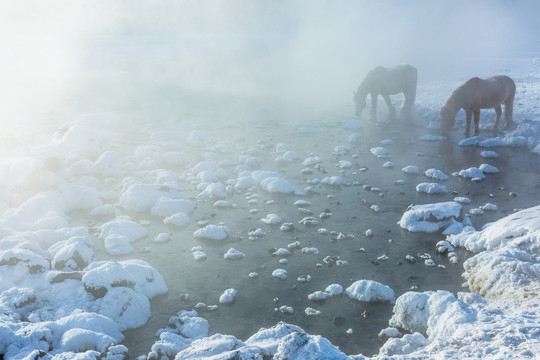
<point x="385" y="82"/>
<point x="476" y="94"/>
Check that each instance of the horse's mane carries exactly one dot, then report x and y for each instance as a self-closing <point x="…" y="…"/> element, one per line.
<point x="456" y="97"/>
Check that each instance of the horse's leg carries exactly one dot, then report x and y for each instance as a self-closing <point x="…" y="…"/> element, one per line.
<point x="468" y="115"/>
<point x="374" y="97"/>
<point x="476" y="115"/>
<point x="508" y="109"/>
<point x="410" y="95"/>
<point x="391" y="110"/>
<point x="498" y="113"/>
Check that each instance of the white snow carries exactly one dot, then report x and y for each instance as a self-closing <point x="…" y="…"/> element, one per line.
<point x="271" y="219"/>
<point x="472" y="173"/>
<point x="179" y="219"/>
<point x="334" y="289"/>
<point x="431" y="217"/>
<point x="77" y="196"/>
<point x="280" y="274"/>
<point x="410" y="169"/>
<point x="507" y="263"/>
<point x="435" y="174"/>
<point x="489" y="154"/>
<point x="233" y="254"/>
<point x="488" y="169"/>
<point x="228" y="296"/>
<point x="379" y="151"/>
<point x="369" y="290"/>
<point x="431" y="188"/>
<point x="212" y="232"/>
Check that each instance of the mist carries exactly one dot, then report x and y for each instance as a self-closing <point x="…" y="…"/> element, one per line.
<point x="168" y="59"/>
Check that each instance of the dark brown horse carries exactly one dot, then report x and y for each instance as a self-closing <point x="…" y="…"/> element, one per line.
<point x="476" y="94"/>
<point x="385" y="82"/>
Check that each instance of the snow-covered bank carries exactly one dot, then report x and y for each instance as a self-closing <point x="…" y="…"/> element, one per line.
<point x="77" y="213"/>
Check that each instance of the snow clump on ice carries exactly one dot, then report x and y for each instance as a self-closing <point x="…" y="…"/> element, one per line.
<point x="431" y="188"/>
<point x="431" y="217"/>
<point x="212" y="232"/>
<point x="435" y="174"/>
<point x="369" y="290"/>
<point x="410" y="169"/>
<point x="228" y="296"/>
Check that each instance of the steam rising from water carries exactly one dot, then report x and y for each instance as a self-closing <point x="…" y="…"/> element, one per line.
<point x="155" y="57"/>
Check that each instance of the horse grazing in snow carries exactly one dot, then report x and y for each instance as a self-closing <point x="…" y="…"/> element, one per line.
<point x="476" y="94"/>
<point x="385" y="82"/>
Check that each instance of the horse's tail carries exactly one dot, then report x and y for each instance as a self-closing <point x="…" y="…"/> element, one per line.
<point x="509" y="102"/>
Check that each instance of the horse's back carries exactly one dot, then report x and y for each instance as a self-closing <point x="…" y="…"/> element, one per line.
<point x="503" y="85"/>
<point x="396" y="79"/>
<point x="487" y="93"/>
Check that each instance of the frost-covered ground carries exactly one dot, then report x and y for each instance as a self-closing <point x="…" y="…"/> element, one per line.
<point x="252" y="218"/>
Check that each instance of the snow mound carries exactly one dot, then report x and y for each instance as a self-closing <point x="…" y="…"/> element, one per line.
<point x="508" y="264"/>
<point x="212" y="232"/>
<point x="431" y="217"/>
<point x="482" y="328"/>
<point x="269" y="181"/>
<point x="472" y="173"/>
<point x="435" y="174"/>
<point x="410" y="169"/>
<point x="431" y="188"/>
<point x="369" y="290"/>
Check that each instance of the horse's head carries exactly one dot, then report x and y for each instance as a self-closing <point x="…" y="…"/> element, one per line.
<point x="359" y="102"/>
<point x="447" y="119"/>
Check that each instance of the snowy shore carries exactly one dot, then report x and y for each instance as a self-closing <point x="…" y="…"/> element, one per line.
<point x="77" y="212"/>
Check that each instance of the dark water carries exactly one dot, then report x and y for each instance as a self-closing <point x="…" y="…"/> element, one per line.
<point x="350" y="205"/>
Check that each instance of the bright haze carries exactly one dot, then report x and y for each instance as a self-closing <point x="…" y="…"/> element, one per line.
<point x="173" y="58"/>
